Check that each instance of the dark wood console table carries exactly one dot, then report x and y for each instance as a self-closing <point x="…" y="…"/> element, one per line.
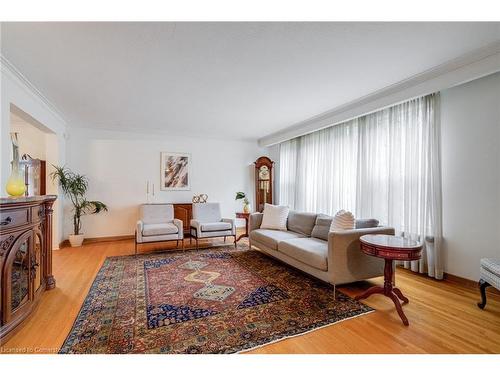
<point x="184" y="212"/>
<point x="25" y="257"/>
<point x="390" y="248"/>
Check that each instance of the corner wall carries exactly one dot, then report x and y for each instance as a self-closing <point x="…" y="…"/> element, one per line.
<point x="118" y="164"/>
<point x="470" y="136"/>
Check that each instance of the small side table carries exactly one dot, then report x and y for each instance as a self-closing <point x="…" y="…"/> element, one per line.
<point x="390" y="248"/>
<point x="246" y="216"/>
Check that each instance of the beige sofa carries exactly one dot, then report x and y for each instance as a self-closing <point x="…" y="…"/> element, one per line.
<point x="334" y="257"/>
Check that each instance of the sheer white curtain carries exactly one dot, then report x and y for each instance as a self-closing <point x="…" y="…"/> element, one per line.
<point x="384" y="165"/>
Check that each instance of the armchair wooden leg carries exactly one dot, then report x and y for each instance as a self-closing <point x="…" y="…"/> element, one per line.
<point x="482" y="289"/>
<point x="224" y="239"/>
<point x="182" y="241"/>
<point x="235" y="245"/>
<point x="196" y="239"/>
<point x="177" y="245"/>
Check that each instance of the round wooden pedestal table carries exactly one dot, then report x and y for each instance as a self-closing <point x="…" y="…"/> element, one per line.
<point x="390" y="248"/>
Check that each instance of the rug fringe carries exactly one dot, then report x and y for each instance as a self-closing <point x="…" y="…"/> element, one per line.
<point x="302" y="333"/>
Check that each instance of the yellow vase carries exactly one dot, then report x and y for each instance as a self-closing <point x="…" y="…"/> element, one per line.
<point x="246" y="208"/>
<point x="15" y="185"/>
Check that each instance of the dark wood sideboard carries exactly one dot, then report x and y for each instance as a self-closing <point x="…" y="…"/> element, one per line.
<point x="184" y="212"/>
<point x="25" y="257"/>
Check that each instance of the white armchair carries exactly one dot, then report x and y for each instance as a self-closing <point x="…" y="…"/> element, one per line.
<point x="157" y="224"/>
<point x="207" y="222"/>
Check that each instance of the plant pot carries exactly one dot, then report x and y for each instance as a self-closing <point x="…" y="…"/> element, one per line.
<point x="76" y="239"/>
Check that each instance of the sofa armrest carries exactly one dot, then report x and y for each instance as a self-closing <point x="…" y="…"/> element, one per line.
<point x="254" y="221"/>
<point x="180" y="227"/>
<point x="347" y="262"/>
<point x="233" y="227"/>
<point x="195" y="223"/>
<point x="138" y="231"/>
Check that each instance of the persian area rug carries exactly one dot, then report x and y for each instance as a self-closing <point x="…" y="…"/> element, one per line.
<point x="219" y="300"/>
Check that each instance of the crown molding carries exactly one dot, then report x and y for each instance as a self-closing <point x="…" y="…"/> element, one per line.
<point x="11" y="69"/>
<point x="465" y="68"/>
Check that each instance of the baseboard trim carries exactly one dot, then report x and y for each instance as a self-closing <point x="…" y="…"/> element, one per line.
<point x="461" y="281"/>
<point x="92" y="240"/>
<point x="467" y="282"/>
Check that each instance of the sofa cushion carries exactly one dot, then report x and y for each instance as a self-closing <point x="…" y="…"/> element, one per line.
<point x="322" y="227"/>
<point x="207" y="212"/>
<point x="212" y="227"/>
<point x="159" y="229"/>
<point x="311" y="251"/>
<point x="492" y="265"/>
<point x="301" y="222"/>
<point x="156" y="213"/>
<point x="275" y="217"/>
<point x="271" y="237"/>
<point x="366" y="223"/>
<point x="323" y="223"/>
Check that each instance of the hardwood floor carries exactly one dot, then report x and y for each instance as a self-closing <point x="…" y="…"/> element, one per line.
<point x="443" y="315"/>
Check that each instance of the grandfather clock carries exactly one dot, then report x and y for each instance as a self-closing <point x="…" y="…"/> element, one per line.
<point x="263" y="182"/>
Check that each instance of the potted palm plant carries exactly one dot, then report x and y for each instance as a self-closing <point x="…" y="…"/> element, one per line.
<point x="75" y="188"/>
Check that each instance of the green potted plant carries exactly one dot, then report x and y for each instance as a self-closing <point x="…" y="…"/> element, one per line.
<point x="75" y="188"/>
<point x="246" y="203"/>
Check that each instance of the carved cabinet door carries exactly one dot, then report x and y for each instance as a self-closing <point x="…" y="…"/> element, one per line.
<point x="17" y="283"/>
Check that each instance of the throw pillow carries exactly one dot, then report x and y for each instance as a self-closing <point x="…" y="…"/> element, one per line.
<point x="275" y="217"/>
<point x="366" y="223"/>
<point x="322" y="227"/>
<point x="343" y="220"/>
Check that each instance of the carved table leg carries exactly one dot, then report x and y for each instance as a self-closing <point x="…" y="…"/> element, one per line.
<point x="482" y="288"/>
<point x="246" y="230"/>
<point x="399" y="309"/>
<point x="400" y="295"/>
<point x="388" y="291"/>
<point x="369" y="292"/>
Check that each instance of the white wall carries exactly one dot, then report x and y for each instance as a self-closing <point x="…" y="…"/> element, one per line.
<point x="17" y="91"/>
<point x="470" y="121"/>
<point x="31" y="140"/>
<point x="118" y="164"/>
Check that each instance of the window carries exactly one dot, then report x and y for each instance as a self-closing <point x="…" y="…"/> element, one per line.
<point x="384" y="165"/>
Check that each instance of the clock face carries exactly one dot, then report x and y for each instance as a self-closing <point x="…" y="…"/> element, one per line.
<point x="264" y="173"/>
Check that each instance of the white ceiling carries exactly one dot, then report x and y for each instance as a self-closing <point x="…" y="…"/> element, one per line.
<point x="230" y="80"/>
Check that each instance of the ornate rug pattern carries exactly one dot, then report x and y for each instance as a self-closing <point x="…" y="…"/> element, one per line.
<point x="219" y="300"/>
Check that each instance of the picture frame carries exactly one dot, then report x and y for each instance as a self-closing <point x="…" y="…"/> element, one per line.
<point x="175" y="171"/>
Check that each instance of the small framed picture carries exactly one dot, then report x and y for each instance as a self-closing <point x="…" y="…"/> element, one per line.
<point x="175" y="171"/>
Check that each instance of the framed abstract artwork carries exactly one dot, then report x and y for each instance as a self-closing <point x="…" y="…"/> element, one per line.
<point x="175" y="171"/>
